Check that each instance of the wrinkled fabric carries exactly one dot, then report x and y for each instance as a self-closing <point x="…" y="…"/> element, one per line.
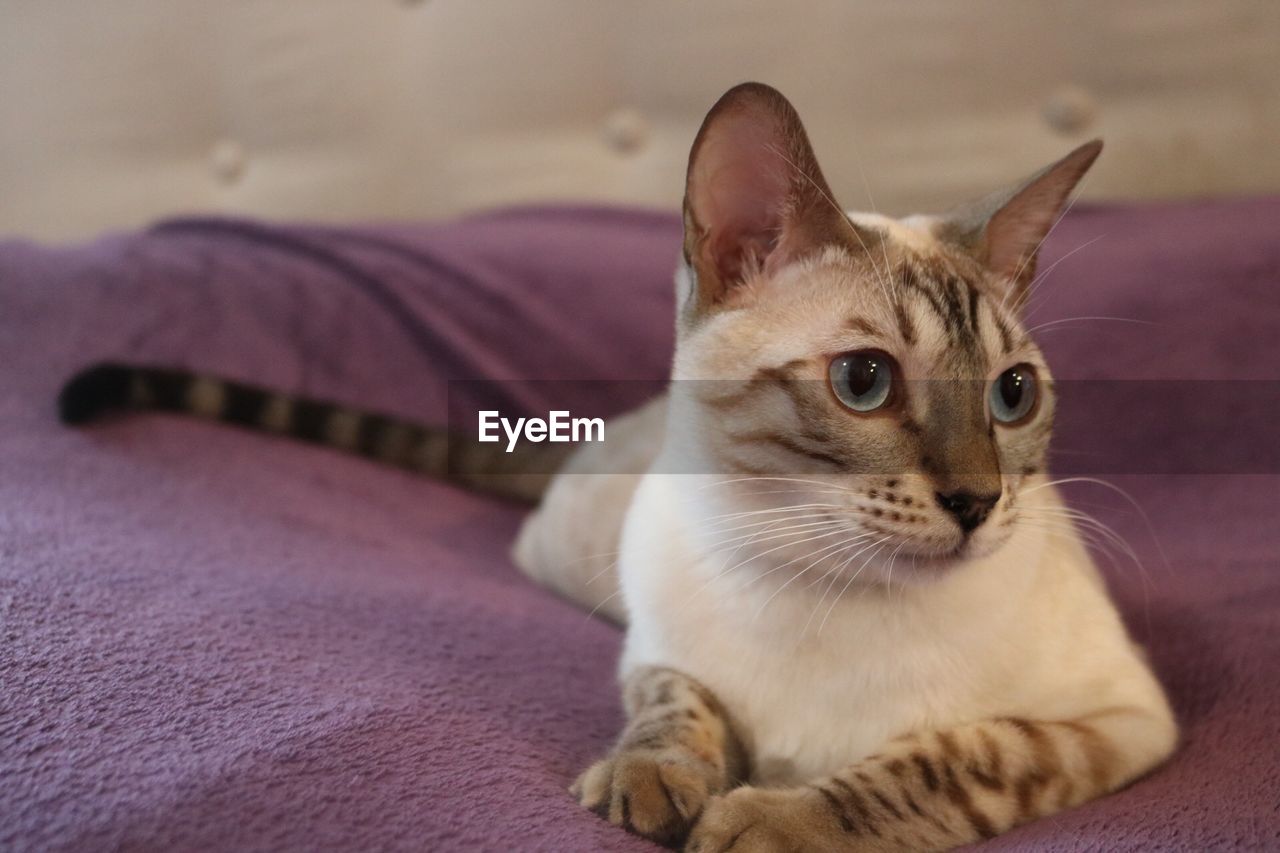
<point x="216" y="639"/>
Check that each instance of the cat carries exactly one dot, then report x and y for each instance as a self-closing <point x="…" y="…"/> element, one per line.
<point x="856" y="618"/>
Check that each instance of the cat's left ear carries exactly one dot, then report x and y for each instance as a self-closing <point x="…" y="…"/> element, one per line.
<point x="755" y="199"/>
<point x="1004" y="230"/>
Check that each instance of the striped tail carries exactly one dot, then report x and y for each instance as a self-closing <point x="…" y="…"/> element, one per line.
<point x="437" y="452"/>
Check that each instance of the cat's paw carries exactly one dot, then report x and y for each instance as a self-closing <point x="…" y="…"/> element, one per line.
<point x="657" y="794"/>
<point x="762" y="820"/>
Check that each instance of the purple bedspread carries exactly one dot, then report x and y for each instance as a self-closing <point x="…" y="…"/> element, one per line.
<point x="214" y="639"/>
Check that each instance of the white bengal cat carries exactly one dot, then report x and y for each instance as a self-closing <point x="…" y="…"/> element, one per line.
<point x="861" y="619"/>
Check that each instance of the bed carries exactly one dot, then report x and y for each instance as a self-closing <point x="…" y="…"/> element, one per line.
<point x="212" y="639"/>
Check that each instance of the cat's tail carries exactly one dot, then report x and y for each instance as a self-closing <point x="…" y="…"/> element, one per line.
<point x="521" y="475"/>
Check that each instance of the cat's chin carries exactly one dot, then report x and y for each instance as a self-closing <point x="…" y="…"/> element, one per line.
<point x="974" y="549"/>
<point x="933" y="565"/>
<point x="943" y="559"/>
<point x="927" y="566"/>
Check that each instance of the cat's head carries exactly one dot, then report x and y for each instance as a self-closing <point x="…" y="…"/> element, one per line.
<point x="864" y="376"/>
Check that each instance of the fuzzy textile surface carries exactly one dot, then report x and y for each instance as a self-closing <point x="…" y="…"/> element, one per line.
<point x="211" y="639"/>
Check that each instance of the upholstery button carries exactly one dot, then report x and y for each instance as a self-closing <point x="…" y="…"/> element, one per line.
<point x="227" y="161"/>
<point x="1069" y="110"/>
<point x="625" y="131"/>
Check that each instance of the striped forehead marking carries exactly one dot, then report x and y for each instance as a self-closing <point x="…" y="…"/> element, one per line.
<point x="953" y="299"/>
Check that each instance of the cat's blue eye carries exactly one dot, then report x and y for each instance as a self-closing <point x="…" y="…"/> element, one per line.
<point x="862" y="380"/>
<point x="1013" y="394"/>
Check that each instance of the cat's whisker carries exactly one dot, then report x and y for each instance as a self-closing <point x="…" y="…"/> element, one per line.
<point x="809" y="491"/>
<point x="833" y="486"/>
<point x="833" y="551"/>
<point x="1100" y="545"/>
<point x="601" y="573"/>
<point x="836" y="549"/>
<point x="722" y="572"/>
<point x="1079" y="518"/>
<point x="1062" y="320"/>
<point x="1094" y="533"/>
<point x="884" y="251"/>
<point x="771" y="509"/>
<point x="586" y="557"/>
<point x="835" y="576"/>
<point x="849" y="582"/>
<point x="737" y="543"/>
<point x="1077" y="512"/>
<point x="1113" y="509"/>
<point x="758" y="518"/>
<point x="798" y="515"/>
<point x="725" y="572"/>
<point x="1069" y="528"/>
<point x="893" y="558"/>
<point x="1124" y="494"/>
<point x="767" y="525"/>
<point x="795" y="539"/>
<point x="1030" y="256"/>
<point x="732" y="546"/>
<point x="884" y="277"/>
<point x="733" y="516"/>
<point x="811" y="584"/>
<point x="1041" y="276"/>
<point x="1093" y="529"/>
<point x="602" y="603"/>
<point x="816" y="488"/>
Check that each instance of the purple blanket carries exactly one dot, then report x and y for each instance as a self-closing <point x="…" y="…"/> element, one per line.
<point x="210" y="638"/>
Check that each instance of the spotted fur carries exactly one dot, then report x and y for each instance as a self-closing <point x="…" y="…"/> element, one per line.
<point x="677" y="751"/>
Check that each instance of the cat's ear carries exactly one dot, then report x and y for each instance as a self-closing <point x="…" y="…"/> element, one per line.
<point x="1004" y="230"/>
<point x="755" y="198"/>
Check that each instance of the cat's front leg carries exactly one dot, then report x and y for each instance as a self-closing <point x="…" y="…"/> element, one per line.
<point x="677" y="750"/>
<point x="939" y="790"/>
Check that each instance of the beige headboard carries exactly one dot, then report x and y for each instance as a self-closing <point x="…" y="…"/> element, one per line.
<point x="116" y="112"/>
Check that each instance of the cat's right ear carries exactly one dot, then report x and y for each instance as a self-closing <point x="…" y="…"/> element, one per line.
<point x="1005" y="229"/>
<point x="755" y="199"/>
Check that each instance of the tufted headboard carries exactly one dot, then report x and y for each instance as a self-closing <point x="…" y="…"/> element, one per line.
<point x="116" y="113"/>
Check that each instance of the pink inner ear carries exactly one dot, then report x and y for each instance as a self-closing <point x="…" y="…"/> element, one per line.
<point x="739" y="190"/>
<point x="1016" y="231"/>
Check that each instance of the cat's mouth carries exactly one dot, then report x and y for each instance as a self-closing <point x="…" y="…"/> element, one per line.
<point x="970" y="547"/>
<point x="941" y="559"/>
<point x="945" y="555"/>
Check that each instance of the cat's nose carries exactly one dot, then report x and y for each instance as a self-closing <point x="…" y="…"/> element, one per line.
<point x="969" y="509"/>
